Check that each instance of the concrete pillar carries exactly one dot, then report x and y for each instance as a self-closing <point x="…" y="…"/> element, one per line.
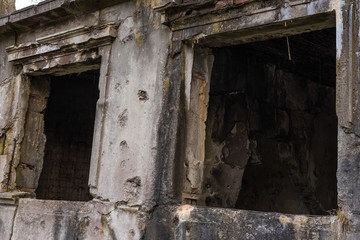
<point x="348" y="96"/>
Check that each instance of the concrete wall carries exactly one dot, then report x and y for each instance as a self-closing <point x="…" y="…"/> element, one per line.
<point x="137" y="167"/>
<point x="134" y="75"/>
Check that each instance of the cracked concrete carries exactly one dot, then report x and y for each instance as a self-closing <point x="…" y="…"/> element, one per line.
<point x="155" y="61"/>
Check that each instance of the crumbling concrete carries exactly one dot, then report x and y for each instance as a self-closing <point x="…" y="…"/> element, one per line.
<point x="149" y="148"/>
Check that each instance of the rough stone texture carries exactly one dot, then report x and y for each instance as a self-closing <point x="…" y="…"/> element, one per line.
<point x="196" y="117"/>
<point x="6" y="221"/>
<point x="75" y="220"/>
<point x="140" y="134"/>
<point x="29" y="168"/>
<point x="216" y="223"/>
<point x="347" y="95"/>
<point x="135" y="121"/>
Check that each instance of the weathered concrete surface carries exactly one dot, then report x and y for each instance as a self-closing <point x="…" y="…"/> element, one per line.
<point x="44" y="13"/>
<point x="136" y="64"/>
<point x="247" y="20"/>
<point x="141" y="147"/>
<point x="76" y="220"/>
<point x="193" y="222"/>
<point x="348" y="175"/>
<point x="6" y="221"/>
<point x="196" y="118"/>
<point x="32" y="152"/>
<point x="126" y="111"/>
<point x="348" y="95"/>
<point x="5" y="83"/>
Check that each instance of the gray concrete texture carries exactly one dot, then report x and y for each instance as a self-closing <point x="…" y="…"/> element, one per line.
<point x="148" y="148"/>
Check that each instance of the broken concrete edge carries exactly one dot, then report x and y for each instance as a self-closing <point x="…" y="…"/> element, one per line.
<point x="209" y="32"/>
<point x="77" y="220"/>
<point x="84" y="36"/>
<point x="208" y="24"/>
<point x="68" y="49"/>
<point x="20" y="197"/>
<point x="168" y="220"/>
<point x="224" y="223"/>
<point x="200" y="13"/>
<point x="11" y="198"/>
<point x="18" y="21"/>
<point x="173" y="6"/>
<point x="196" y="213"/>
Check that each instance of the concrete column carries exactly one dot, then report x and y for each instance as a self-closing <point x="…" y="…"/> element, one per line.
<point x="348" y="111"/>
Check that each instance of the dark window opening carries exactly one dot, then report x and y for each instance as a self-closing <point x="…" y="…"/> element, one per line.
<point x="69" y="126"/>
<point x="271" y="129"/>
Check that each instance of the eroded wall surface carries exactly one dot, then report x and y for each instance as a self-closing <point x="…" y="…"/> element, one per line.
<point x="131" y="97"/>
<point x="138" y="171"/>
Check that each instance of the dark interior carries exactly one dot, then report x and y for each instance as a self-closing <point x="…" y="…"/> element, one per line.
<point x="271" y="130"/>
<point x="69" y="126"/>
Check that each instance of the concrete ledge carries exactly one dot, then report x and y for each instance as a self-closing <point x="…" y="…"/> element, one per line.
<point x="11" y="198"/>
<point x="49" y="11"/>
<point x="7" y="214"/>
<point x="78" y="46"/>
<point x="76" y="220"/>
<point x="192" y="222"/>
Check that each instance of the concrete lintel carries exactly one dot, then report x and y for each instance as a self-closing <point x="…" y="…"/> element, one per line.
<point x="73" y="46"/>
<point x="256" y="25"/>
<point x="276" y="29"/>
<point x="216" y="15"/>
<point x="177" y="5"/>
<point x="82" y="37"/>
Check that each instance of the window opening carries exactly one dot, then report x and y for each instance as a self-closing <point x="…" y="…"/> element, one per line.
<point x="69" y="126"/>
<point x="271" y="129"/>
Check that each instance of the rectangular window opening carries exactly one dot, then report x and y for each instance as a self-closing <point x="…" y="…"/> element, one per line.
<point x="271" y="128"/>
<point x="69" y="124"/>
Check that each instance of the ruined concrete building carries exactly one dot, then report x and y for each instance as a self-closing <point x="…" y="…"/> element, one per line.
<point x="180" y="119"/>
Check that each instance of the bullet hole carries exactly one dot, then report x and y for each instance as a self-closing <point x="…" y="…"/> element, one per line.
<point x="123" y="145"/>
<point x="142" y="95"/>
<point x="131" y="233"/>
<point x="117" y="87"/>
<point x="123" y="164"/>
<point x="127" y="39"/>
<point x="122" y="119"/>
<point x="25" y="166"/>
<point x="132" y="189"/>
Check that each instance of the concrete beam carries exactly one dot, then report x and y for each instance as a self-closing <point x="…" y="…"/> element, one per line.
<point x="49" y="11"/>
